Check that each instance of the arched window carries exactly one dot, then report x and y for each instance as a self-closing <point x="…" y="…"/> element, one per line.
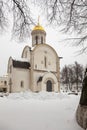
<point x="36" y="66"/>
<point x="5" y="83"/>
<point x="41" y="40"/>
<point x="22" y="84"/>
<point x="45" y="61"/>
<point x="36" y="38"/>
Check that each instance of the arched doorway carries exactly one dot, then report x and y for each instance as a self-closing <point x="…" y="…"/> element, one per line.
<point x="49" y="86"/>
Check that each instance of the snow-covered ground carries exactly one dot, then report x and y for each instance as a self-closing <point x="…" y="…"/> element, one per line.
<point x="38" y="111"/>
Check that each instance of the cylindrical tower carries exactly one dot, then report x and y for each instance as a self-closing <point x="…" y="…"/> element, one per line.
<point x="38" y="35"/>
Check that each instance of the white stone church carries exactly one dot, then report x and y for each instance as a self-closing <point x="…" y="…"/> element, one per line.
<point x="38" y="69"/>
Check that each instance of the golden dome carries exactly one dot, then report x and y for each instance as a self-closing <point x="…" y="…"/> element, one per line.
<point x="38" y="27"/>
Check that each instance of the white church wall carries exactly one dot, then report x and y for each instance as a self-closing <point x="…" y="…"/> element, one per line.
<point x="44" y="87"/>
<point x="45" y="58"/>
<point x="56" y="87"/>
<point x="37" y="86"/>
<point x="18" y="76"/>
<point x="42" y="65"/>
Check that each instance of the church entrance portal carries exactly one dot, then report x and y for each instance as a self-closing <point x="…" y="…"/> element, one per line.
<point x="49" y="86"/>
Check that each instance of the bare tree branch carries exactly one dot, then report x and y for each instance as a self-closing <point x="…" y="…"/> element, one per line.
<point x="72" y="14"/>
<point x="22" y="19"/>
<point x="3" y="19"/>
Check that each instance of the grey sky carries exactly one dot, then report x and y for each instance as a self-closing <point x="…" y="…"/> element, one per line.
<point x="54" y="38"/>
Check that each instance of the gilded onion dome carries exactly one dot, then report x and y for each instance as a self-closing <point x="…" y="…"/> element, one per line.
<point x="38" y="27"/>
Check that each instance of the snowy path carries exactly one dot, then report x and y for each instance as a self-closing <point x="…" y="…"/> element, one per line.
<point x="41" y="111"/>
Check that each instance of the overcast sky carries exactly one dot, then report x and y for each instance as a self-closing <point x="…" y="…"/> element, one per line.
<point x="54" y="38"/>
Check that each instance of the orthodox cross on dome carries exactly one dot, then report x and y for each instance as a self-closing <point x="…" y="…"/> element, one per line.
<point x="38" y="20"/>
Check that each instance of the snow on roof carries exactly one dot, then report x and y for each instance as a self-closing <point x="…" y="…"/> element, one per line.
<point x="33" y="47"/>
<point x="21" y="59"/>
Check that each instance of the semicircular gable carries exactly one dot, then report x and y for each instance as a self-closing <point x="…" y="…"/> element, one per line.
<point x="47" y="46"/>
<point x="45" y="58"/>
<point x="26" y="52"/>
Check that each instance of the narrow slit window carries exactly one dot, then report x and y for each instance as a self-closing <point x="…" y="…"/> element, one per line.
<point x="41" y="40"/>
<point x="36" y="39"/>
<point x="10" y="85"/>
<point x="5" y="83"/>
<point x="45" y="61"/>
<point x="22" y="84"/>
<point x="35" y="66"/>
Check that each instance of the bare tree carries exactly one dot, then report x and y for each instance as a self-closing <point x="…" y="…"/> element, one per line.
<point x="72" y="14"/>
<point x="3" y="19"/>
<point x="22" y="19"/>
<point x="78" y="74"/>
<point x="65" y="76"/>
<point x="72" y="75"/>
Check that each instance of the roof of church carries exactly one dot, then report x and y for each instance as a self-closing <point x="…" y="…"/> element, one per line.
<point x="40" y="79"/>
<point x="21" y="64"/>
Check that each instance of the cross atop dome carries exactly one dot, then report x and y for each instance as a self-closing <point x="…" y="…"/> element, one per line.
<point x="38" y="20"/>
